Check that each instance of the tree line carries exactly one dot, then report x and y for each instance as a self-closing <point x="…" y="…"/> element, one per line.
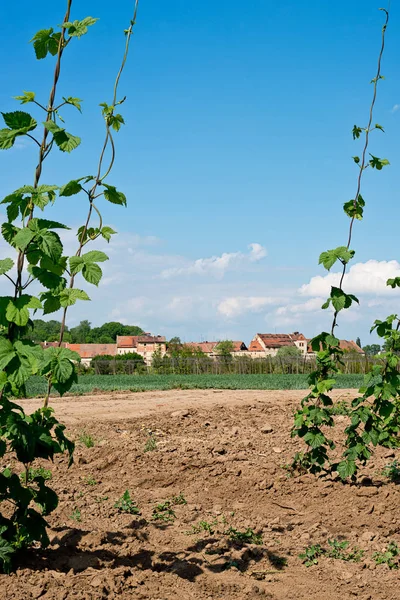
<point x="84" y="333"/>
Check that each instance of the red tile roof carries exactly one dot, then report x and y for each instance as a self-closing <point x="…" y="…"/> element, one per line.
<point x="211" y="347"/>
<point x="92" y="350"/>
<point x="277" y="340"/>
<point x="255" y="346"/>
<point x="131" y="341"/>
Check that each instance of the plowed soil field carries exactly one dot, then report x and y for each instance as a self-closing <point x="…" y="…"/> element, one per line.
<point x="232" y="520"/>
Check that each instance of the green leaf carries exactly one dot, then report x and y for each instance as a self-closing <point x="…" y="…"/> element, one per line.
<point x="378" y="163"/>
<point x="6" y="352"/>
<point x="19" y="120"/>
<point x="23" y="238"/>
<point x="51" y="303"/>
<point x="92" y="273"/>
<point x="17" y="310"/>
<point x="9" y="232"/>
<point x="20" y="123"/>
<point x="356" y="132"/>
<point x="50" y="244"/>
<point x="64" y="140"/>
<point x="346" y="468"/>
<point x="6" y="552"/>
<point x="340" y="299"/>
<point x="112" y="195"/>
<point x="393" y="282"/>
<point x="356" y="159"/>
<point x="26" y="97"/>
<point x="45" y="41"/>
<point x="354" y="209"/>
<point x="78" y="28"/>
<point x="71" y="188"/>
<point x="328" y="258"/>
<point x="69" y="296"/>
<point x="94" y="256"/>
<point x="314" y="439"/>
<point x="6" y="265"/>
<point x="47" y="278"/>
<point x="379" y="127"/>
<point x="76" y="264"/>
<point x="107" y="232"/>
<point x="7" y="139"/>
<point x="39" y="224"/>
<point x="58" y="267"/>
<point x="74" y="102"/>
<point x="115" y="121"/>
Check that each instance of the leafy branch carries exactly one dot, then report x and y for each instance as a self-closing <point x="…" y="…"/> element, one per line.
<point x="379" y="420"/>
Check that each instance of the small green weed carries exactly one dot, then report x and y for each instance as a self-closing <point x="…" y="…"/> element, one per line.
<point x="151" y="444"/>
<point x="339" y="551"/>
<point x="89" y="480"/>
<point x="203" y="526"/>
<point x="87" y="439"/>
<point x="126" y="505"/>
<point x="244" y="537"/>
<point x="163" y="512"/>
<point x="39" y="472"/>
<point x="388" y="557"/>
<point x="179" y="499"/>
<point x="311" y="555"/>
<point x="76" y="515"/>
<point x="340" y="408"/>
<point x="392" y="471"/>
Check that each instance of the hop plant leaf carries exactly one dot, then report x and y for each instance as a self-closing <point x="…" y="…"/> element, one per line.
<point x="46" y="41"/>
<point x="79" y="28"/>
<point x="26" y="97"/>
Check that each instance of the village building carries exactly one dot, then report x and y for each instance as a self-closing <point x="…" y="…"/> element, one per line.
<point x="145" y="345"/>
<point x="211" y="348"/>
<point x="268" y="344"/>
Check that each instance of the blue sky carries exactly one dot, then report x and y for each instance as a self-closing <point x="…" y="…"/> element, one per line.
<point x="238" y="132"/>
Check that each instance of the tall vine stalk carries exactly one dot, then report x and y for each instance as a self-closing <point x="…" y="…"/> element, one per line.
<point x="375" y="416"/>
<point x="39" y="258"/>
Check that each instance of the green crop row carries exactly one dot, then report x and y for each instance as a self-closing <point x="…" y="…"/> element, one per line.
<point x="89" y="383"/>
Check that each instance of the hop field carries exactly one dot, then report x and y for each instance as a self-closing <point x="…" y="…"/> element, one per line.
<point x="141" y="383"/>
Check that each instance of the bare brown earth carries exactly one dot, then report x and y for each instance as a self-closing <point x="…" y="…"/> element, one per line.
<point x="224" y="451"/>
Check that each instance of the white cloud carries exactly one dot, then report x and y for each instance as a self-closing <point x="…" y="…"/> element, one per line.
<point x="257" y="252"/>
<point x="216" y="266"/>
<point x="395" y="108"/>
<point x="239" y="305"/>
<point x="296" y="309"/>
<point x="363" y="278"/>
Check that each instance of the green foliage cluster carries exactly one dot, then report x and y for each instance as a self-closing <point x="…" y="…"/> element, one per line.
<point x="163" y="511"/>
<point x="36" y="258"/>
<point x="126" y="505"/>
<point x="375" y="414"/>
<point x="390" y="557"/>
<point x="337" y="549"/>
<point x="49" y="331"/>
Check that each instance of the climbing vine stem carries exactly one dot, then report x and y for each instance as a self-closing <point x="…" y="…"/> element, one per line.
<point x="375" y="412"/>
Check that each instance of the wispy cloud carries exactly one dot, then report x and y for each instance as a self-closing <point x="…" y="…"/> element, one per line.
<point x="240" y="305"/>
<point x="216" y="266"/>
<point x="395" y="108"/>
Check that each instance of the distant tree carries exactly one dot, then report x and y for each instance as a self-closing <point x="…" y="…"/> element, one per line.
<point x="372" y="349"/>
<point x="358" y="342"/>
<point x="46" y="331"/>
<point x="80" y="333"/>
<point x="289" y="352"/>
<point x="110" y="331"/>
<point x="174" y="345"/>
<point x="225" y="348"/>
